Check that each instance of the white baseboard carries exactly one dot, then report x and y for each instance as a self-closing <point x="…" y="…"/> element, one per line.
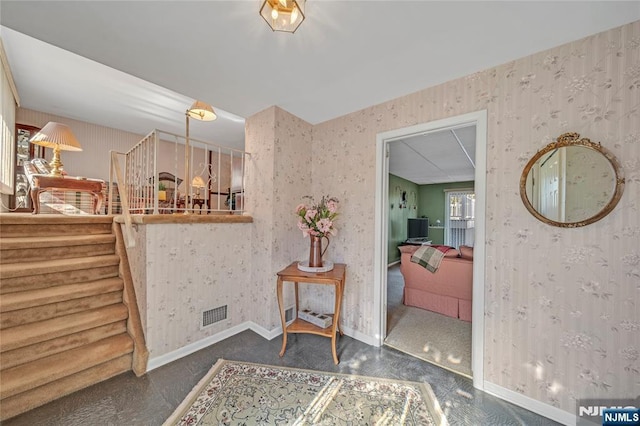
<point x="389" y="265"/>
<point x="208" y="341"/>
<point x="267" y="334"/>
<point x="360" y="336"/>
<point x="538" y="407"/>
<point x="195" y="346"/>
<point x="161" y="360"/>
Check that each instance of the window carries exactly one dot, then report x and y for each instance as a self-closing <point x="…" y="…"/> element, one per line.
<point x="459" y="222"/>
<point x="7" y="123"/>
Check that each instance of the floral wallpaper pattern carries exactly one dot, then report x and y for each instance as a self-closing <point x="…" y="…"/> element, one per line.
<point x="190" y="269"/>
<point x="278" y="176"/>
<point x="562" y="315"/>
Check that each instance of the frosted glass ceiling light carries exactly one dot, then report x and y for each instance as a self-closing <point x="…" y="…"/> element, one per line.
<point x="283" y="15"/>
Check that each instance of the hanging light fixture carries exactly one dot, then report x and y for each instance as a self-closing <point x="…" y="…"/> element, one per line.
<point x="283" y="15"/>
<point x="203" y="112"/>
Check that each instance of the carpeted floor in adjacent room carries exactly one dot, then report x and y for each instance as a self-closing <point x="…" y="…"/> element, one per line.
<point x="427" y="335"/>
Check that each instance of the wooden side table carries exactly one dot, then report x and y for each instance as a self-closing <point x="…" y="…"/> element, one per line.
<point x="335" y="278"/>
<point x="41" y="182"/>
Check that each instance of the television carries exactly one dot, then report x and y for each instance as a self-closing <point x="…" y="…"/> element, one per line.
<point x="418" y="228"/>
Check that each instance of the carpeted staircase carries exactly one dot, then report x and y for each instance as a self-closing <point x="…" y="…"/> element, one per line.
<point x="68" y="313"/>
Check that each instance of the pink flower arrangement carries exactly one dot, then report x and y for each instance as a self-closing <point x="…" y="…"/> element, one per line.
<point x="317" y="219"/>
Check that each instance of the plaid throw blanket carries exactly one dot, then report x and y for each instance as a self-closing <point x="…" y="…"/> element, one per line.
<point x="430" y="256"/>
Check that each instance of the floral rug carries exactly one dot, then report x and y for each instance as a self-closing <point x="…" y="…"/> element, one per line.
<point x="236" y="393"/>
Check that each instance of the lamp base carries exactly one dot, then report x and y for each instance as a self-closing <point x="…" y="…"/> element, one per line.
<point x="56" y="164"/>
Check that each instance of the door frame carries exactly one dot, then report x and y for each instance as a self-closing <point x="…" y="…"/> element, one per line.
<point x="479" y="118"/>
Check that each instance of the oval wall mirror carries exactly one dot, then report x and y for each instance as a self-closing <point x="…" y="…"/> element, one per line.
<point x="571" y="182"/>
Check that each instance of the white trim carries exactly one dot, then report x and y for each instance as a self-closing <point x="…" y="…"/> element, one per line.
<point x="479" y="256"/>
<point x="364" y="338"/>
<point x="381" y="256"/>
<point x="546" y="410"/>
<point x="457" y="189"/>
<point x="267" y="334"/>
<point x="479" y="118"/>
<point x="161" y="360"/>
<point x="394" y="263"/>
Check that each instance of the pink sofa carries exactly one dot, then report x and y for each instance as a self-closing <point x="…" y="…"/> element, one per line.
<point x="447" y="291"/>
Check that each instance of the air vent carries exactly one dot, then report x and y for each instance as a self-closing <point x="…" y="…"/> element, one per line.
<point x="213" y="316"/>
<point x="288" y="314"/>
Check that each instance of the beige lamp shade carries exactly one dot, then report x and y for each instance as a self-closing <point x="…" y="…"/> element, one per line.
<point x="197" y="182"/>
<point x="59" y="137"/>
<point x="56" y="135"/>
<point x="202" y="111"/>
<point x="283" y="15"/>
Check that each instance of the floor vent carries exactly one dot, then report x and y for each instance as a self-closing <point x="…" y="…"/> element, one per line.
<point x="214" y="315"/>
<point x="288" y="314"/>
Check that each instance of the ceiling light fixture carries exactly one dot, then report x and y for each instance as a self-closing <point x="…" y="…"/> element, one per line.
<point x="283" y="15"/>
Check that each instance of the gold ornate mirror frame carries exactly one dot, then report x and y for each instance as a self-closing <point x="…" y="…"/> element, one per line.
<point x="567" y="140"/>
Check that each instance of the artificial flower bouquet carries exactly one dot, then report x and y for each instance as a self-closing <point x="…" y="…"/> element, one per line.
<point x="317" y="219"/>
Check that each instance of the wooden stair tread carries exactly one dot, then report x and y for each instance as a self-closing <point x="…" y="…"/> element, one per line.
<point x="16" y="243"/>
<point x="12" y="270"/>
<point x="58" y="309"/>
<point x="26" y="299"/>
<point x="60" y="344"/>
<point x="25" y="401"/>
<point x="45" y="370"/>
<point x="51" y="219"/>
<point x="28" y="334"/>
<point x="26" y="283"/>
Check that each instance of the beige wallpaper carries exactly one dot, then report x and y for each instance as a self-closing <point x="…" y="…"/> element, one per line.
<point x="562" y="315"/>
<point x="185" y="270"/>
<point x="278" y="176"/>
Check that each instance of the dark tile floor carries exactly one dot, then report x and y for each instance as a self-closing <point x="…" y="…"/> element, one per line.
<point x="149" y="400"/>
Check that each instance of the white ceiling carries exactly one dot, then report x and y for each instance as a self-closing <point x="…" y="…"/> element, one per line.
<point x="153" y="58"/>
<point x="435" y="157"/>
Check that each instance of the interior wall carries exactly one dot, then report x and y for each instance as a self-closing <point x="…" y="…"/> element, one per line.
<point x="562" y="311"/>
<point x="182" y="270"/>
<point x="278" y="176"/>
<point x="432" y="204"/>
<point x="398" y="216"/>
<point x="96" y="142"/>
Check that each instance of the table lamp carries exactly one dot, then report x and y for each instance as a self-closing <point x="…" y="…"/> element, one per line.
<point x="197" y="183"/>
<point x="59" y="137"/>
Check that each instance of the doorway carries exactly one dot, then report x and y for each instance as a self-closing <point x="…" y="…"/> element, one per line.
<point x="479" y="119"/>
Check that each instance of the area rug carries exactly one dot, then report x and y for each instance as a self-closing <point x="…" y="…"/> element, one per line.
<point x="432" y="337"/>
<point x="237" y="393"/>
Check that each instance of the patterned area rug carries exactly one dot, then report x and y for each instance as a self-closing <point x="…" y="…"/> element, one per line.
<point x="253" y="394"/>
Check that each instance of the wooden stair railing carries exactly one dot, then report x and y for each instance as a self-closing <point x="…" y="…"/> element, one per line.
<point x="68" y="311"/>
